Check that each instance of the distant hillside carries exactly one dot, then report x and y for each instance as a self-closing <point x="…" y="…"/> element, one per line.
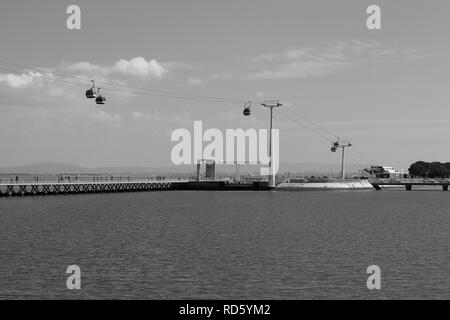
<point x="67" y="168"/>
<point x="45" y="168"/>
<point x="307" y="168"/>
<point x="317" y="168"/>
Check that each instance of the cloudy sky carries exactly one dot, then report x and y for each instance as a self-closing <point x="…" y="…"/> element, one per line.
<point x="386" y="90"/>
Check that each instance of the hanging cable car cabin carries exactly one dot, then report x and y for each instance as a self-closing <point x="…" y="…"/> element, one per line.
<point x="100" y="99"/>
<point x="334" y="146"/>
<point x="247" y="110"/>
<point x="90" y="94"/>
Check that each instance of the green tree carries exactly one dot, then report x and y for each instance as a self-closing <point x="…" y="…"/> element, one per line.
<point x="430" y="169"/>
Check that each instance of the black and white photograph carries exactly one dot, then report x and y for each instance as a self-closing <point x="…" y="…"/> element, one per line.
<point x="224" y="155"/>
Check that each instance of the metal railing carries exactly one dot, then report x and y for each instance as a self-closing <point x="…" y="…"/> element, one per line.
<point x="412" y="180"/>
<point x="9" y="179"/>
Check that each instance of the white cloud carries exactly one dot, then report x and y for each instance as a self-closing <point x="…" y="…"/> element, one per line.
<point x="33" y="87"/>
<point x="156" y="117"/>
<point x="84" y="67"/>
<point x="137" y="66"/>
<point x="20" y="80"/>
<point x="55" y="82"/>
<point x="260" y="95"/>
<point x="301" y="70"/>
<point x="175" y="65"/>
<point x="220" y="76"/>
<point x="141" y="117"/>
<point x="212" y="77"/>
<point x="195" y="81"/>
<point x="101" y="116"/>
<point x="319" y="61"/>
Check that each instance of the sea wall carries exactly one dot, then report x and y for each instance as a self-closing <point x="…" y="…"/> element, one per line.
<point x="350" y="185"/>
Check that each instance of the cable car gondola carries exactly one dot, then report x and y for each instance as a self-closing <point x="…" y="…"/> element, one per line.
<point x="335" y="146"/>
<point x="247" y="110"/>
<point x="90" y="94"/>
<point x="100" y="99"/>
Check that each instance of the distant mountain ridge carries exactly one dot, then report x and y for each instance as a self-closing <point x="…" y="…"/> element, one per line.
<point x="307" y="168"/>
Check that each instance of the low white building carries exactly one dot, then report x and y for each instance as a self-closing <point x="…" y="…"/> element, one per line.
<point x="382" y="172"/>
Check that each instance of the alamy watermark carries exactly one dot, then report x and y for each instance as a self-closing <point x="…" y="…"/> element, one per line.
<point x="373" y="21"/>
<point x="73" y="281"/>
<point x="73" y="21"/>
<point x="235" y="146"/>
<point x="374" y="280"/>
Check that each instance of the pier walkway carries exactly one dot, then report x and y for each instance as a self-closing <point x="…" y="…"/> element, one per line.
<point x="409" y="183"/>
<point x="53" y="186"/>
<point x="35" y="186"/>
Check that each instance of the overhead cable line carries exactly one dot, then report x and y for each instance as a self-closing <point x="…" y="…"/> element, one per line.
<point x="327" y="131"/>
<point x="361" y="155"/>
<point x="311" y="122"/>
<point x="361" y="167"/>
<point x="114" y="88"/>
<point x="304" y="126"/>
<point x="162" y="93"/>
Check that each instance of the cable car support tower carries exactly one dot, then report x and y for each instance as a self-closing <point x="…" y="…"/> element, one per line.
<point x="341" y="144"/>
<point x="271" y="104"/>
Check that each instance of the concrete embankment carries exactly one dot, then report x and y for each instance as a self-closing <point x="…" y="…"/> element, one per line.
<point x="318" y="186"/>
<point x="222" y="186"/>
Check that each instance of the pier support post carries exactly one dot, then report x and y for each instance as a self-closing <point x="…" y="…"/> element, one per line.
<point x="445" y="187"/>
<point x="408" y="187"/>
<point x="198" y="171"/>
<point x="376" y="186"/>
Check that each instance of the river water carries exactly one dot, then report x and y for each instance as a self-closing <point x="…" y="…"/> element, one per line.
<point x="227" y="245"/>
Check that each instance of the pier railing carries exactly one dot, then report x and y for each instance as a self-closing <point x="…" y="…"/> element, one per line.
<point x="378" y="184"/>
<point x="413" y="181"/>
<point x="12" y="179"/>
<point x="29" y="186"/>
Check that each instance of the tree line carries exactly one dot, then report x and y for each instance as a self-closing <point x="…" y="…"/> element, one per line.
<point x="430" y="169"/>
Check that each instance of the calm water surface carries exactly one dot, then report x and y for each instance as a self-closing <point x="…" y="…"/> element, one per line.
<point x="221" y="245"/>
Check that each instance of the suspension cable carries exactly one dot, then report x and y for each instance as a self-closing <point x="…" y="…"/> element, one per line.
<point x="162" y="93"/>
<point x="311" y="122"/>
<point x="304" y="126"/>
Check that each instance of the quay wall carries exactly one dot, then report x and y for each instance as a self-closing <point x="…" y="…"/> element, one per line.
<point x="313" y="186"/>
